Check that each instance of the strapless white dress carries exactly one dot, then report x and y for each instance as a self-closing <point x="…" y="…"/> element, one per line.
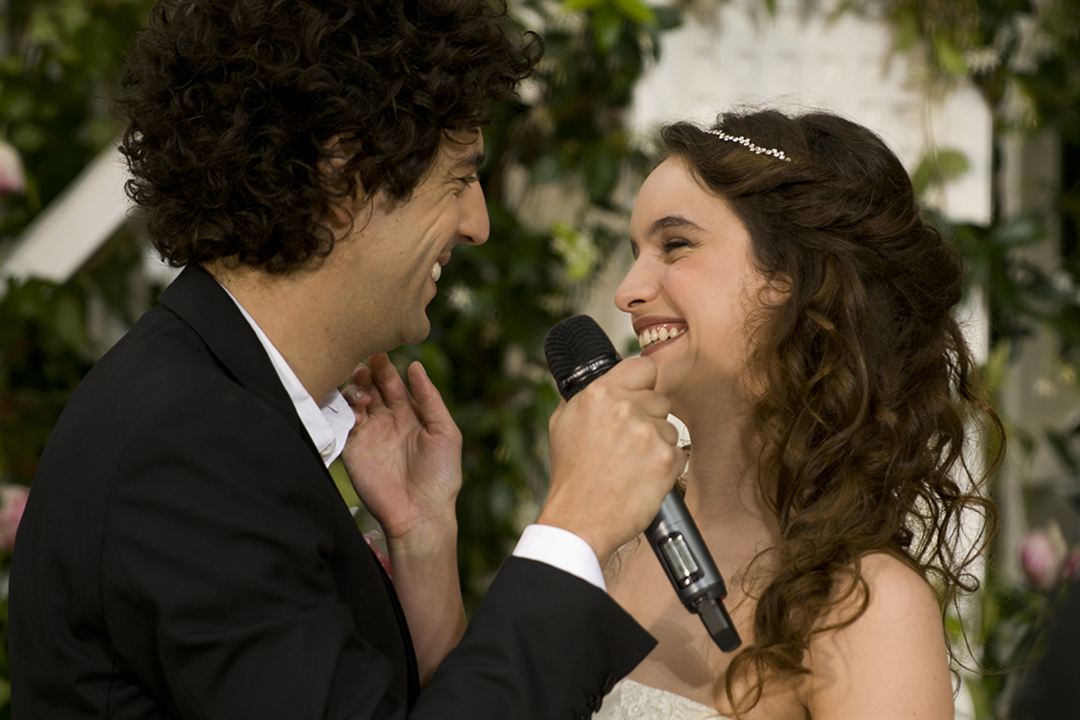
<point x="630" y="700"/>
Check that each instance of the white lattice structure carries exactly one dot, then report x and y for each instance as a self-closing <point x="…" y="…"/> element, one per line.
<point x="732" y="54"/>
<point x="75" y="225"/>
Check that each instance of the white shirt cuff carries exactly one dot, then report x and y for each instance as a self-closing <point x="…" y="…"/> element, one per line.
<point x="561" y="549"/>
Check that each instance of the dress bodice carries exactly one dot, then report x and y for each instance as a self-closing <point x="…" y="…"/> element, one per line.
<point x="630" y="700"/>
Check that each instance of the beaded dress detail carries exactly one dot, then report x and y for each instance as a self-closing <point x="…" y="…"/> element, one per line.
<point x="630" y="700"/>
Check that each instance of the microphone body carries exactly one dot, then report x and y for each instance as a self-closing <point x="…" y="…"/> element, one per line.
<point x="578" y="351"/>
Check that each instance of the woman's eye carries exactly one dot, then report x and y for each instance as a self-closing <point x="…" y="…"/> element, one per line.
<point x="675" y="244"/>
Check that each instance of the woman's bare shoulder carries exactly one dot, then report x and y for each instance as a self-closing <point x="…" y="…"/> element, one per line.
<point x="890" y="660"/>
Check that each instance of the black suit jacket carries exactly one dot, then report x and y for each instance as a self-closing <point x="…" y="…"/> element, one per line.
<point x="185" y="554"/>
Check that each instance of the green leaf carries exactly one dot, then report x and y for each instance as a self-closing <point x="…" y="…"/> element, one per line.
<point x="637" y="11"/>
<point x="581" y="5"/>
<point x="1061" y="444"/>
<point x="577" y="250"/>
<point x="29" y="138"/>
<point x="1019" y="231"/>
<point x="601" y="169"/>
<point x="907" y="29"/>
<point x="667" y="18"/>
<point x="950" y="58"/>
<point x="67" y="322"/>
<point x="996" y="368"/>
<point x="73" y="15"/>
<point x="607" y="25"/>
<point x="937" y="168"/>
<point x="42" y="29"/>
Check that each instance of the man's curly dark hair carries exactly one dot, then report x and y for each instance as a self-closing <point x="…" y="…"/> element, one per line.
<point x="237" y="108"/>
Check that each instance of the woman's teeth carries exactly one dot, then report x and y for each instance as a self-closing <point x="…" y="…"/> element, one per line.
<point x="436" y="272"/>
<point x="659" y="334"/>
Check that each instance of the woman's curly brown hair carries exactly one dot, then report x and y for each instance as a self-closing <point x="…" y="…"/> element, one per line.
<point x="870" y="390"/>
<point x="237" y="107"/>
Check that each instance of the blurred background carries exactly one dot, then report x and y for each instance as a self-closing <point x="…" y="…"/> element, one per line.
<point x="979" y="98"/>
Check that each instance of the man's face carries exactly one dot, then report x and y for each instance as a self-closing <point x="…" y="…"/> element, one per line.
<point x="391" y="263"/>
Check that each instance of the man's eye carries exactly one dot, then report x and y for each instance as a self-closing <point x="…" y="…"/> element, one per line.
<point x="462" y="183"/>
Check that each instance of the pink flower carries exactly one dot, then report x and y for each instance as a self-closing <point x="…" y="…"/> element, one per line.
<point x="12" y="504"/>
<point x="1070" y="569"/>
<point x="1042" y="556"/>
<point x="374" y="541"/>
<point x="12" y="178"/>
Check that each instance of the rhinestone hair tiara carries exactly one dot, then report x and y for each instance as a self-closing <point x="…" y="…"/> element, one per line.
<point x="745" y="142"/>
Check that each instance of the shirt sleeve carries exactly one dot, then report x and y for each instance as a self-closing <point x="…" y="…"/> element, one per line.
<point x="561" y="549"/>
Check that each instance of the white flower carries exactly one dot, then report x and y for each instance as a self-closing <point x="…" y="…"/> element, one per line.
<point x="1062" y="281"/>
<point x="1043" y="387"/>
<point x="982" y="59"/>
<point x="460" y="298"/>
<point x="12" y="178"/>
<point x="1034" y="45"/>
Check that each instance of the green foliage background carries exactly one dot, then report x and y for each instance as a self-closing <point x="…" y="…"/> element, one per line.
<point x="59" y="61"/>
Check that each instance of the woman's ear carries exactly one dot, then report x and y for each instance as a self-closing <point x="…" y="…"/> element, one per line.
<point x="776" y="290"/>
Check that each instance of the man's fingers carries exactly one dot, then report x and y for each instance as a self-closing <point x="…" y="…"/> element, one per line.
<point x="652" y="403"/>
<point x="668" y="432"/>
<point x="389" y="383"/>
<point x="364" y="383"/>
<point x="430" y="407"/>
<point x="636" y="373"/>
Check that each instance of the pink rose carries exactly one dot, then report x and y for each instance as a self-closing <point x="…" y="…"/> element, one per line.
<point x="374" y="541"/>
<point x="12" y="504"/>
<point x="1042" y="555"/>
<point x="1070" y="569"/>
<point x="12" y="178"/>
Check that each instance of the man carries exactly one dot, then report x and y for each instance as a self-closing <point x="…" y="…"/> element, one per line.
<point x="184" y="553"/>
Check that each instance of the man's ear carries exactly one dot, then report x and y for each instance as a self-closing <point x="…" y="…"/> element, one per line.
<point x="331" y="165"/>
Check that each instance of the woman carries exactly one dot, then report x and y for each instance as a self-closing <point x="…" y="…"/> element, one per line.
<point x="798" y="311"/>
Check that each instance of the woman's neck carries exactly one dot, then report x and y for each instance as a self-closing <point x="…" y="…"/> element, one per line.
<point x="722" y="480"/>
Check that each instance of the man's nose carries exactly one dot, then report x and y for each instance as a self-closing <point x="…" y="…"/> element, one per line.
<point x="475" y="226"/>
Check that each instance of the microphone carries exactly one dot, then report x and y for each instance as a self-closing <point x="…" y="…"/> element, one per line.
<point x="578" y="351"/>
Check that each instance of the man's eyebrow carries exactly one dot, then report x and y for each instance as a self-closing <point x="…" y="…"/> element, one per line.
<point x="470" y="162"/>
<point x="671" y="221"/>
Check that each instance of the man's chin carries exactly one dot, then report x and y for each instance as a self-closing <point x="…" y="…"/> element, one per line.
<point x="418" y="331"/>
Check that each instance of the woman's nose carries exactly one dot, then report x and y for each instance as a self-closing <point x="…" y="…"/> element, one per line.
<point x="637" y="287"/>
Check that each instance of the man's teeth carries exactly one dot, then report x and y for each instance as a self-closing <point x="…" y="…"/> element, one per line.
<point x="436" y="272"/>
<point x="658" y="334"/>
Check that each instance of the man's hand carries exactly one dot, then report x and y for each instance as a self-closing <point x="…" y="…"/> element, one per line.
<point x="404" y="460"/>
<point x="404" y="455"/>
<point x="613" y="458"/>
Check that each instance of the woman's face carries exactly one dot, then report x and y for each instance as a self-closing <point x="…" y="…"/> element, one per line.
<point x="694" y="282"/>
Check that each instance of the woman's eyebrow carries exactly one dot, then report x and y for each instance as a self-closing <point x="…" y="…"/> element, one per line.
<point x="671" y="221"/>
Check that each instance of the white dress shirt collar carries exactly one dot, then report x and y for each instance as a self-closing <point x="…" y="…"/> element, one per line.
<point x="327" y="423"/>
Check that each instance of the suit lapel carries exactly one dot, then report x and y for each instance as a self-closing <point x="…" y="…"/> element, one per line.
<point x="197" y="298"/>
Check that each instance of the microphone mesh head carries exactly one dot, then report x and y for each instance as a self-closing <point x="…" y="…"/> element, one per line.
<point x="574" y="342"/>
